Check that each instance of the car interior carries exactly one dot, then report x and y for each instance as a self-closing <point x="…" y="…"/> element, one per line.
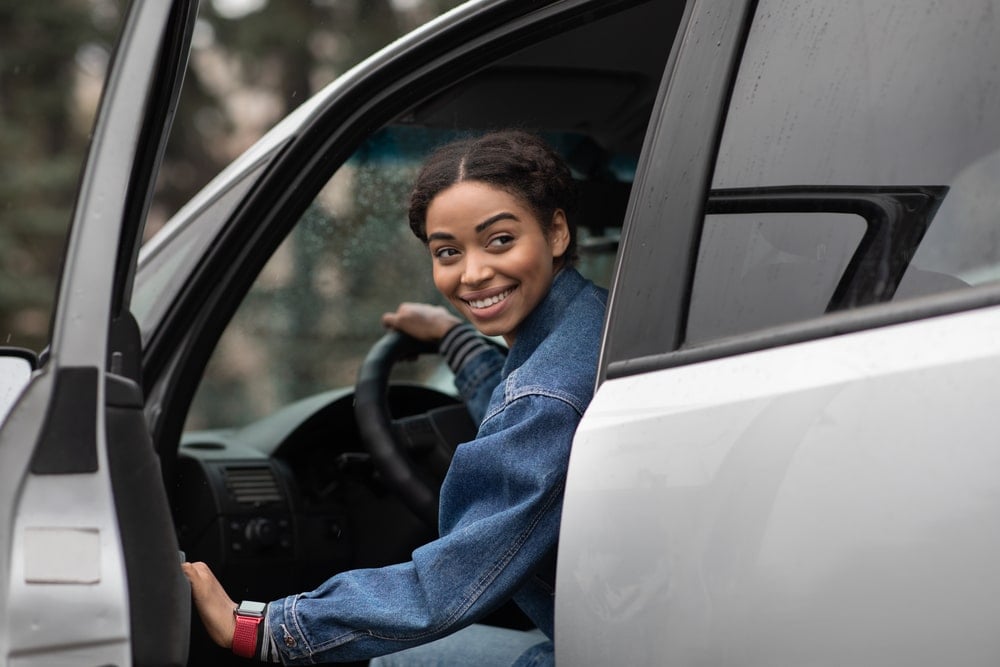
<point x="304" y="453"/>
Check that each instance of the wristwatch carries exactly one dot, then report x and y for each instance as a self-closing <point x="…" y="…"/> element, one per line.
<point x="248" y="618"/>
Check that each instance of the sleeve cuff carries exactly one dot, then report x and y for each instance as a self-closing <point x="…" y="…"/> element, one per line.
<point x="460" y="344"/>
<point x="266" y="650"/>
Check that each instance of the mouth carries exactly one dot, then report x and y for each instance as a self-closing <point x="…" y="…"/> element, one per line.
<point x="479" y="304"/>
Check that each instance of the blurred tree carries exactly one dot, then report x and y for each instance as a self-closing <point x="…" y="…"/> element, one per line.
<point x="253" y="61"/>
<point x="51" y="55"/>
<point x="248" y="70"/>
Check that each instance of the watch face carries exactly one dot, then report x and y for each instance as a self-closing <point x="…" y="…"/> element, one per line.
<point x="250" y="608"/>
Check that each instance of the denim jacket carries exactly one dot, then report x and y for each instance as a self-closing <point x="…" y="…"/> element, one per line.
<point x="500" y="502"/>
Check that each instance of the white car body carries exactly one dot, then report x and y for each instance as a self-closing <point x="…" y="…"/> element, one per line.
<point x="846" y="483"/>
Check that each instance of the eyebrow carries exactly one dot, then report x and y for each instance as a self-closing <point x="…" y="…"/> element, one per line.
<point x="481" y="227"/>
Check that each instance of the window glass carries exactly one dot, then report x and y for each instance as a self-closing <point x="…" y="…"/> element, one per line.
<point x="314" y="311"/>
<point x="760" y="270"/>
<point x="175" y="252"/>
<point x="863" y="95"/>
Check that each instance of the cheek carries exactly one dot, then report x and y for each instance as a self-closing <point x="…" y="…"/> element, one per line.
<point x="537" y="259"/>
<point x="442" y="277"/>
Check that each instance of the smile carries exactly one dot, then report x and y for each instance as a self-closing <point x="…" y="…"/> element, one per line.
<point x="486" y="303"/>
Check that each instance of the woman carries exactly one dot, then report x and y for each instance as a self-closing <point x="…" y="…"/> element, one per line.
<point x="494" y="212"/>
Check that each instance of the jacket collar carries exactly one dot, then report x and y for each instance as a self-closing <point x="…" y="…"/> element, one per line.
<point x="543" y="319"/>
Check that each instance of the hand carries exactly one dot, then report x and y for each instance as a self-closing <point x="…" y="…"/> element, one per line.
<point x="421" y="320"/>
<point x="213" y="603"/>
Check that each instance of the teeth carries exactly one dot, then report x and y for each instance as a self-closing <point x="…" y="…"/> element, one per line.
<point x="485" y="303"/>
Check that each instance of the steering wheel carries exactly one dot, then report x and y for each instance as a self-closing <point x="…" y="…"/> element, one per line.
<point x="407" y="451"/>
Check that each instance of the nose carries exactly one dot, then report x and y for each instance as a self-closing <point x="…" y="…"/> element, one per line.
<point x="477" y="269"/>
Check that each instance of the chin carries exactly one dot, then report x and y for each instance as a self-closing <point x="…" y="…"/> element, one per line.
<point x="491" y="328"/>
<point x="488" y="330"/>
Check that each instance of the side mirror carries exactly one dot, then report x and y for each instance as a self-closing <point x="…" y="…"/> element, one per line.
<point x="16" y="367"/>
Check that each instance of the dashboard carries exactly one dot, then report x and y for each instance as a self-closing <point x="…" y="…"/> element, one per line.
<point x="280" y="505"/>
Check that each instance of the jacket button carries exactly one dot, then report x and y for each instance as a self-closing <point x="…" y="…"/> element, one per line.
<point x="289" y="641"/>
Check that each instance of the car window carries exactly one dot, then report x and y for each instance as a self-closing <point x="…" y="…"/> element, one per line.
<point x="758" y="270"/>
<point x="174" y="251"/>
<point x="887" y="95"/>
<point x="314" y="311"/>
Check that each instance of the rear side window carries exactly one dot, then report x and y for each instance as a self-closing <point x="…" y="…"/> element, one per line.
<point x="859" y="164"/>
<point x="770" y="268"/>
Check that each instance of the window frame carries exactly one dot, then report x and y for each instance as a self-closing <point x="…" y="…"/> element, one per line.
<point x="655" y="266"/>
<point x="895" y="218"/>
<point x="647" y="312"/>
<point x="328" y="132"/>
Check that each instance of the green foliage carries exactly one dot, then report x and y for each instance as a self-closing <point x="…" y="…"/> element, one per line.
<point x="52" y="59"/>
<point x="44" y="53"/>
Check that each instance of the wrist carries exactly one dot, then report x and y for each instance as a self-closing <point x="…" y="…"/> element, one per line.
<point x="447" y="326"/>
<point x="248" y="617"/>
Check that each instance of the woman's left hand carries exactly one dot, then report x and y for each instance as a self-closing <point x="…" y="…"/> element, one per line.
<point x="214" y="605"/>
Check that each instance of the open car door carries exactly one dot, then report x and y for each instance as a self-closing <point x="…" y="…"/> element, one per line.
<point x="89" y="572"/>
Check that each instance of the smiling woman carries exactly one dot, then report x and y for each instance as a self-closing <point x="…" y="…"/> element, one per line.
<point x="494" y="258"/>
<point x="494" y="214"/>
<point x="505" y="267"/>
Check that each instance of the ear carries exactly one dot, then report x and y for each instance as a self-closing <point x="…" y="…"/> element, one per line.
<point x="559" y="233"/>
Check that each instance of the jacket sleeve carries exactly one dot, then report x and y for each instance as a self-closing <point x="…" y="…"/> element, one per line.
<point x="500" y="511"/>
<point x="476" y="364"/>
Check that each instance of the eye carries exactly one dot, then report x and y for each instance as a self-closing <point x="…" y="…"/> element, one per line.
<point x="445" y="253"/>
<point x="500" y="241"/>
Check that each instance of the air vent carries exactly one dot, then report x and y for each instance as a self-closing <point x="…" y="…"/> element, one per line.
<point x="252" y="485"/>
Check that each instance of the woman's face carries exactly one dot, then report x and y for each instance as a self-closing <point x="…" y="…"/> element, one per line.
<point x="491" y="259"/>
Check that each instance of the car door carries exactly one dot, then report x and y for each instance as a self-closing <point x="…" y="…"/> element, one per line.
<point x="792" y="457"/>
<point x="90" y="571"/>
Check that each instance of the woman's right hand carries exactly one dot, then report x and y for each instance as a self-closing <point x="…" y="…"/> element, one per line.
<point x="421" y="320"/>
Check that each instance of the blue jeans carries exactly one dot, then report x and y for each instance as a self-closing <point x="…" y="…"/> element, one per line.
<point x="474" y="646"/>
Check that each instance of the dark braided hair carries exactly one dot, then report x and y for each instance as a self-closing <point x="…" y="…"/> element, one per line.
<point x="518" y="162"/>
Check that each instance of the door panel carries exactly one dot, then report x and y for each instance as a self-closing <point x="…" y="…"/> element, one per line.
<point x="84" y="511"/>
<point x="833" y="501"/>
<point x="149" y="545"/>
<point x="775" y="491"/>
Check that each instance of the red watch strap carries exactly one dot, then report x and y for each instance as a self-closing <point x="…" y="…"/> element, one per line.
<point x="245" y="637"/>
